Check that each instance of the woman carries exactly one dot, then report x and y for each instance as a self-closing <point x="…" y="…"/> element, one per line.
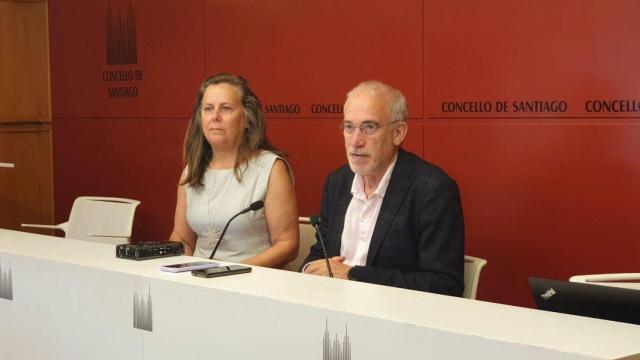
<point x="229" y="164"/>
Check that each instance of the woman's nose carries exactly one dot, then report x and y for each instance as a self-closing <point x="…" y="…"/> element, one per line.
<point x="216" y="115"/>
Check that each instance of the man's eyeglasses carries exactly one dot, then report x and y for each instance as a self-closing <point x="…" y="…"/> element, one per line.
<point x="367" y="128"/>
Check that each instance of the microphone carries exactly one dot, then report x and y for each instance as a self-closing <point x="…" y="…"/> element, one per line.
<point x="256" y="205"/>
<point x="315" y="222"/>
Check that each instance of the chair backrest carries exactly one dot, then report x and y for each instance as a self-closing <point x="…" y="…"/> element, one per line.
<point x="307" y="239"/>
<point x="472" y="268"/>
<point x="107" y="216"/>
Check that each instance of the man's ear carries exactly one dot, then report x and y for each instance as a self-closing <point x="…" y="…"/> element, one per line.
<point x="400" y="132"/>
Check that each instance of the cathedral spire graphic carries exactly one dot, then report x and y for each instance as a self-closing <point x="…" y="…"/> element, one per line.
<point x="142" y="310"/>
<point x="6" y="282"/>
<point x="335" y="349"/>
<point x="121" y="41"/>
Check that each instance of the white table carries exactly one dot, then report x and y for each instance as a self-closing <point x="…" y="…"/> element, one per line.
<point x="74" y="300"/>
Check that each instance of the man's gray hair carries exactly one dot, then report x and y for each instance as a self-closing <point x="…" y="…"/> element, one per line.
<point x="396" y="102"/>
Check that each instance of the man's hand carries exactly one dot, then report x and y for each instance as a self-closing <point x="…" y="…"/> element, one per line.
<point x="319" y="267"/>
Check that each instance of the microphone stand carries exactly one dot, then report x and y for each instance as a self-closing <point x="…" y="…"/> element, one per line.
<point x="254" y="206"/>
<point x="315" y="221"/>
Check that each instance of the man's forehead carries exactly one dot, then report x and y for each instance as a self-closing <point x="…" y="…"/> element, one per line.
<point x="364" y="106"/>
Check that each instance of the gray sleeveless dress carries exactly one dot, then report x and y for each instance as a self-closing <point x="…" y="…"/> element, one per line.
<point x="222" y="197"/>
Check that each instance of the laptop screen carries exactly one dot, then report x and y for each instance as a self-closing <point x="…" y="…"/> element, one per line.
<point x="596" y="301"/>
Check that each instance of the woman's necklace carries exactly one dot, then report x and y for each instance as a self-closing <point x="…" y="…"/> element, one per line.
<point x="211" y="233"/>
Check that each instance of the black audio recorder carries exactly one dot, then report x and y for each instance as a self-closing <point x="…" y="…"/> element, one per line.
<point x="149" y="250"/>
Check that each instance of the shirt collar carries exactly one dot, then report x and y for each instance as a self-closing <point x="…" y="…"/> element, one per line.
<point x="357" y="186"/>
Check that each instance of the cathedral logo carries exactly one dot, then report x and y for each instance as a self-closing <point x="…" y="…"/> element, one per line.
<point x="142" y="309"/>
<point x="121" y="37"/>
<point x="333" y="348"/>
<point x="6" y="282"/>
<point x="122" y="53"/>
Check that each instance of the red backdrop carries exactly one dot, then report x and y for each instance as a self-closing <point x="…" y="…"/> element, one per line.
<point x="551" y="191"/>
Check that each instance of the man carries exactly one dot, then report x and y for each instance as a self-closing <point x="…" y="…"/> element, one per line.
<point x="388" y="218"/>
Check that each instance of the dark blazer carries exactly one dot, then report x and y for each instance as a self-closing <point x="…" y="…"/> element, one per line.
<point x="418" y="239"/>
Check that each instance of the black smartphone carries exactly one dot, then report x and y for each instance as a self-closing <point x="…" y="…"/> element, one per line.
<point x="221" y="271"/>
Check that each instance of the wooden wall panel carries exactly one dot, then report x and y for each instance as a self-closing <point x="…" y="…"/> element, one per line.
<point x="26" y="190"/>
<point x="24" y="62"/>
